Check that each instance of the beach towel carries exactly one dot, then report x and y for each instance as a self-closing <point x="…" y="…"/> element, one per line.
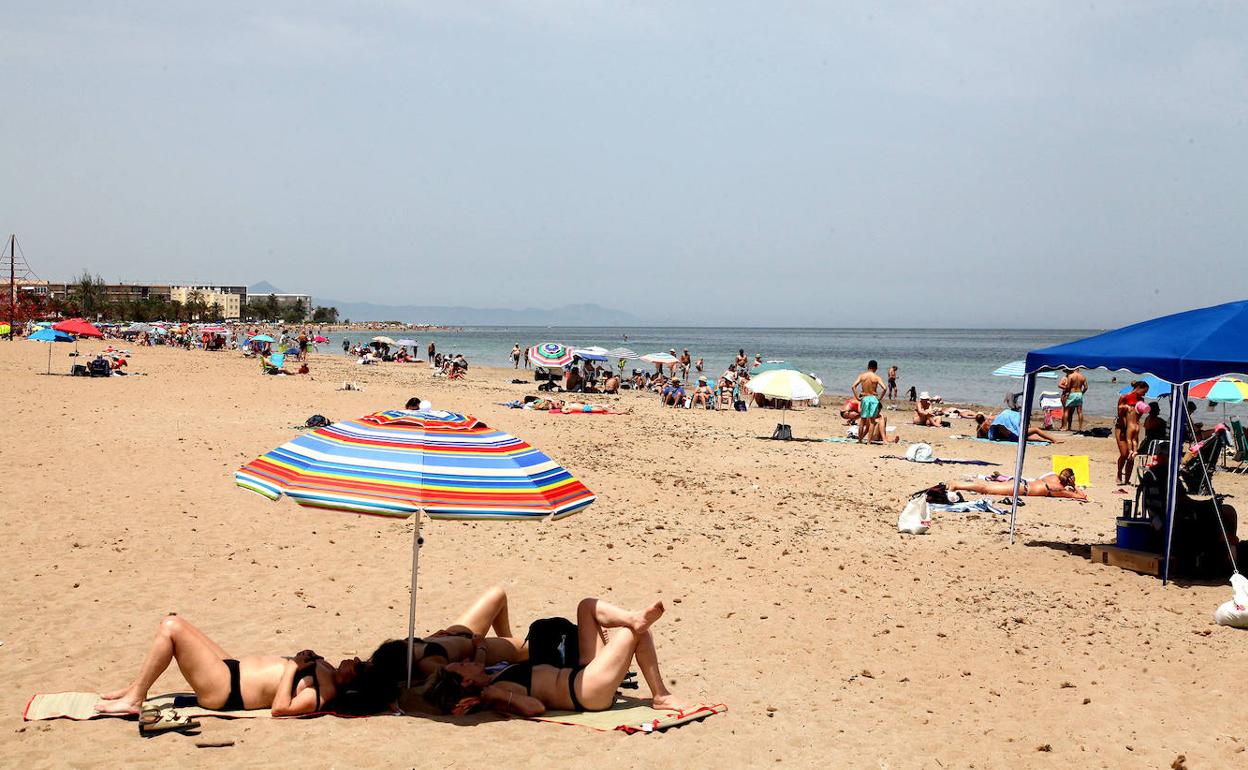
<point x="80" y="706"/>
<point x="1077" y="463"/>
<point x="630" y="715"/>
<point x="939" y="461"/>
<point x="966" y="506"/>
<point x="990" y="441"/>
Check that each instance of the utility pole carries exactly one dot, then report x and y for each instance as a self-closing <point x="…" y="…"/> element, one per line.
<point x="12" y="285"/>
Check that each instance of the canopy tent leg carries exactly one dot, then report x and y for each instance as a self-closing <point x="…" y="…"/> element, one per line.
<point x="1024" y="423"/>
<point x="1178" y="418"/>
<point x="411" y="612"/>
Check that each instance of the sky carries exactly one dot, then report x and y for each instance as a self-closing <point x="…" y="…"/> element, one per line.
<point x="987" y="164"/>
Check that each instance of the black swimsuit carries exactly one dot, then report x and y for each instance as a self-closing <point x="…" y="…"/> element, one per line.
<point x="233" y="701"/>
<point x="522" y="674"/>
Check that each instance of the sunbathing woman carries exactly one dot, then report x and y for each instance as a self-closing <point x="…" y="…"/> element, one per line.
<point x="1049" y="485"/>
<point x="529" y="690"/>
<point x="465" y="639"/>
<point x="301" y="684"/>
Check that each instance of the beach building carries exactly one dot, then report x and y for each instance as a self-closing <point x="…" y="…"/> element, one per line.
<point x="226" y="301"/>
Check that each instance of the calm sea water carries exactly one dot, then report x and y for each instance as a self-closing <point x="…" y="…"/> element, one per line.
<point x="954" y="363"/>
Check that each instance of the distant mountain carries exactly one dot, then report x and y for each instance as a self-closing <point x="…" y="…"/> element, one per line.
<point x="264" y="287"/>
<point x="587" y="314"/>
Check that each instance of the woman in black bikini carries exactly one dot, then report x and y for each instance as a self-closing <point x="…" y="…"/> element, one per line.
<point x="301" y="684"/>
<point x="528" y="690"/>
<point x="465" y="639"/>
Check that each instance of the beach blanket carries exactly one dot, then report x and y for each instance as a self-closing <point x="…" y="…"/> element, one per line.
<point x="630" y="715"/>
<point x="990" y="441"/>
<point x="846" y="440"/>
<point x="80" y="706"/>
<point x="966" y="506"/>
<point x="939" y="461"/>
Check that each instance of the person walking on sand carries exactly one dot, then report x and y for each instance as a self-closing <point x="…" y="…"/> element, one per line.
<point x="867" y="389"/>
<point x="891" y="393"/>
<point x="515" y="356"/>
<point x="432" y="350"/>
<point x="1073" y="386"/>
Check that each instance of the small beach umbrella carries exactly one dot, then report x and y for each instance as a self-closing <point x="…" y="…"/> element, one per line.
<point x="787" y="385"/>
<point x="400" y="463"/>
<point x="659" y="358"/>
<point x="1018" y="369"/>
<point x="1157" y="388"/>
<point x="1222" y="390"/>
<point x="406" y="343"/>
<point x="139" y="327"/>
<point x="550" y="355"/>
<point x="772" y="366"/>
<point x="592" y="350"/>
<point x="320" y="338"/>
<point x="79" y="327"/>
<point x="383" y="340"/>
<point x="261" y="338"/>
<point x="624" y="353"/>
<point x="49" y="336"/>
<point x="5" y="328"/>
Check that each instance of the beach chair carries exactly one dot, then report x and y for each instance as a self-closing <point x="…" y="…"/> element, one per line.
<point x="1195" y="470"/>
<point x="1239" y="450"/>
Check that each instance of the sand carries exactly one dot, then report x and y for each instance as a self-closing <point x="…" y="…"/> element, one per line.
<point x="834" y="640"/>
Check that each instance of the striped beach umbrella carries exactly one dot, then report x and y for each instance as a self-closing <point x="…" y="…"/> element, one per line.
<point x="659" y="358"/>
<point x="623" y="353"/>
<point x="1019" y="369"/>
<point x="550" y="355"/>
<point x="399" y="463"/>
<point x="1225" y="390"/>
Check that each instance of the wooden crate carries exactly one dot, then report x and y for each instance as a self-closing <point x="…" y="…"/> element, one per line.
<point x="1136" y="561"/>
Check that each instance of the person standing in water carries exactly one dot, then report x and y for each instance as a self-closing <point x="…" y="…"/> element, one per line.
<point x="891" y="393"/>
<point x="515" y="356"/>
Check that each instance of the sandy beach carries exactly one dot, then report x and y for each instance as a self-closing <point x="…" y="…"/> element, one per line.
<point x="791" y="597"/>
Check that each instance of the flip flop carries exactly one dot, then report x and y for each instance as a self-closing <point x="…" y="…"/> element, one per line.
<point x="164" y="722"/>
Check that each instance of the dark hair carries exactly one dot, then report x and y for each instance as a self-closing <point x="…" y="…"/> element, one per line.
<point x="873" y="364"/>
<point x="413" y="403"/>
<point x="446" y="693"/>
<point x="376" y="684"/>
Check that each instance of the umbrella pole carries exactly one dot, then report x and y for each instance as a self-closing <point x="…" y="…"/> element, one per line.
<point x="49" y="358"/>
<point x="411" y="612"/>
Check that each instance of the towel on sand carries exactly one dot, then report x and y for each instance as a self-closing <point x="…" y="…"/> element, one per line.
<point x="80" y="706"/>
<point x="630" y="715"/>
<point x="939" y="461"/>
<point x="990" y="441"/>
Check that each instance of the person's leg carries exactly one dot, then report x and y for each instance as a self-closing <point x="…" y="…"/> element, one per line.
<point x="1037" y="433"/>
<point x="596" y="685"/>
<point x="648" y="663"/>
<point x="1079" y="409"/>
<point x="594" y="616"/>
<point x="488" y="611"/>
<point x="198" y="657"/>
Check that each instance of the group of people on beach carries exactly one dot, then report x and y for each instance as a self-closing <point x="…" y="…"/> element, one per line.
<point x="477" y="663"/>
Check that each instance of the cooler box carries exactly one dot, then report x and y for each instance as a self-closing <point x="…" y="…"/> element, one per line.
<point x="1135" y="534"/>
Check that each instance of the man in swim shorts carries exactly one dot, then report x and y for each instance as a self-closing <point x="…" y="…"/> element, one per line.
<point x="867" y="389"/>
<point x="892" y="382"/>
<point x="1075" y="385"/>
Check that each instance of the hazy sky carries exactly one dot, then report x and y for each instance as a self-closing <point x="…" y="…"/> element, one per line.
<point x="774" y="162"/>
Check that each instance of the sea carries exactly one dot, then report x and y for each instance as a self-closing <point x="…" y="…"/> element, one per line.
<point x="956" y="364"/>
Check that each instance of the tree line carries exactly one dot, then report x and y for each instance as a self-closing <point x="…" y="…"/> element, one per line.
<point x="86" y="297"/>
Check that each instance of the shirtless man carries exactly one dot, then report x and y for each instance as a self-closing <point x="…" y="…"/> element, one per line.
<point x="685" y="361"/>
<point x="892" y="382"/>
<point x="867" y="389"/>
<point x="1073" y="386"/>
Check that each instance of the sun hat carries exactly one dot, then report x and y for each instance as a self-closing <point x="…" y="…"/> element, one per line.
<point x="925" y="397"/>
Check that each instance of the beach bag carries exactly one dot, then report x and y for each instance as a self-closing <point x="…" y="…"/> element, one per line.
<point x="782" y="432"/>
<point x="554" y="642"/>
<point x="1235" y="612"/>
<point x="915" y="518"/>
<point x="920" y="453"/>
<point x="317" y="421"/>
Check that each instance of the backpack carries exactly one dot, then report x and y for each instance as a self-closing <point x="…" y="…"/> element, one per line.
<point x="554" y="642"/>
<point x="317" y="421"/>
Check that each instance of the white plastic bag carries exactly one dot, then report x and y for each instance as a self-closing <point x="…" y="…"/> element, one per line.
<point x="920" y="453"/>
<point x="1235" y="612"/>
<point x="915" y="518"/>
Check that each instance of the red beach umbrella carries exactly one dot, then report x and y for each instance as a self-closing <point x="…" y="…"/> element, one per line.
<point x="78" y="326"/>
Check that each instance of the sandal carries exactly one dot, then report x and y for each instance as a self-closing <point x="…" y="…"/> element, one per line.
<point x="153" y="722"/>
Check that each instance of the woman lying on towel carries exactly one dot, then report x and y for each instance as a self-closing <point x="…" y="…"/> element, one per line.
<point x="302" y="684"/>
<point x="526" y="689"/>
<point x="464" y="640"/>
<point x="1049" y="485"/>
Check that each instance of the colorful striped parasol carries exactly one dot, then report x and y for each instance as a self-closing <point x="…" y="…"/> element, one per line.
<point x="398" y="463"/>
<point x="550" y="355"/>
<point x="1226" y="390"/>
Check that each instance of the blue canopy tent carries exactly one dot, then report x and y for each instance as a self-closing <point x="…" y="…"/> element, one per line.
<point x="1180" y="349"/>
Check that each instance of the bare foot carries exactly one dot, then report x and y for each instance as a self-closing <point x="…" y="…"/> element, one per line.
<point x="119" y="706"/>
<point x="115" y="694"/>
<point x="669" y="702"/>
<point x="642" y="620"/>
